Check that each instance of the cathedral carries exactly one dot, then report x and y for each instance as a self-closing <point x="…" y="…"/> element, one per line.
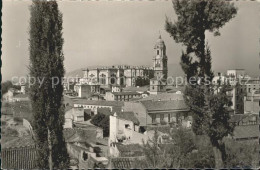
<point x="125" y="75"/>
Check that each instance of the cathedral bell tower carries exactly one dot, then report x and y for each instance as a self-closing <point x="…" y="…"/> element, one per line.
<point x="160" y="59"/>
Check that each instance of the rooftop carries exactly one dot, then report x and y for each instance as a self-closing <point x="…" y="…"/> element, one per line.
<point x="98" y="102"/>
<point x="79" y="135"/>
<point x="164" y="97"/>
<point x="126" y="93"/>
<point x="21" y="96"/>
<point x="19" y="158"/>
<point x="128" y="116"/>
<point x="135" y="89"/>
<point x="246" y="131"/>
<point x="129" y="150"/>
<point x="114" y="67"/>
<point x="165" y="105"/>
<point x="18" y="142"/>
<point x="105" y="111"/>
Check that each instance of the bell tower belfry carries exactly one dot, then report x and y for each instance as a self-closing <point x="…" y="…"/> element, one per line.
<point x="160" y="59"/>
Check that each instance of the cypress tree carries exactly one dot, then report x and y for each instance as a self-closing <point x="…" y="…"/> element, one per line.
<point x="46" y="89"/>
<point x="208" y="105"/>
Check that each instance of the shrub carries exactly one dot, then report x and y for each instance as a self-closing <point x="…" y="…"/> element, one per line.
<point x="18" y="119"/>
<point x="241" y="154"/>
<point x="163" y="122"/>
<point x="11" y="132"/>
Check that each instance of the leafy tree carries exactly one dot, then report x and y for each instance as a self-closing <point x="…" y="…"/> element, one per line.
<point x="183" y="145"/>
<point x="5" y="86"/>
<point x="242" y="154"/>
<point x="210" y="115"/>
<point x="101" y="120"/>
<point x="46" y="65"/>
<point x="155" y="156"/>
<point x="202" y="157"/>
<point x="174" y="153"/>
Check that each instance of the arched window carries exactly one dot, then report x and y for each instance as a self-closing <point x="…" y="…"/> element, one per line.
<point x="113" y="79"/>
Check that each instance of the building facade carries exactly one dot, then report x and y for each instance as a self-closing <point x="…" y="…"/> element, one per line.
<point x="126" y="75"/>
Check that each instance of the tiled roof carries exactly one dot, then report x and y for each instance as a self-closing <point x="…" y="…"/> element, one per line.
<point x="21" y="96"/>
<point x="141" y="89"/>
<point x="174" y="89"/>
<point x="123" y="163"/>
<point x="98" y="102"/>
<point x="237" y="117"/>
<point x="244" y="117"/>
<point x="126" y="93"/>
<point x="128" y="116"/>
<point x="88" y="111"/>
<point x="246" y="131"/>
<point x="164" y="96"/>
<point x="18" y="142"/>
<point x="80" y="135"/>
<point x="78" y="148"/>
<point x="105" y="111"/>
<point x="19" y="158"/>
<point x="129" y="150"/>
<point x="165" y="105"/>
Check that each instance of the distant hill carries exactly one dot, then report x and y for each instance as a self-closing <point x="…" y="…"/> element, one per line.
<point x="173" y="70"/>
<point x="75" y="73"/>
<point x="79" y="72"/>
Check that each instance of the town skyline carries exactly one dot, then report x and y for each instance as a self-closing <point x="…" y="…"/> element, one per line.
<point x="128" y="41"/>
<point x="130" y="84"/>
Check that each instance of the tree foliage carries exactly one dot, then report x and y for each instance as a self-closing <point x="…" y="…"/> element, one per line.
<point x="176" y="153"/>
<point x="155" y="156"/>
<point x="210" y="114"/>
<point x="101" y="120"/>
<point x="46" y="65"/>
<point x="5" y="86"/>
<point x="242" y="154"/>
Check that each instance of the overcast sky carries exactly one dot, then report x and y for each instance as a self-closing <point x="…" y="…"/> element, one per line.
<point x="107" y="33"/>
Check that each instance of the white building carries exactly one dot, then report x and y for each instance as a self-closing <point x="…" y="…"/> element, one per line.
<point x="73" y="115"/>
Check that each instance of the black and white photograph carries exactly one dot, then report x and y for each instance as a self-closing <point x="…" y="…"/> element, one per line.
<point x="130" y="84"/>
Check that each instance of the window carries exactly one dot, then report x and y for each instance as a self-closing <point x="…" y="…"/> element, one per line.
<point x="169" y="117"/>
<point x="153" y="118"/>
<point x="161" y="117"/>
<point x="85" y="156"/>
<point x="157" y="52"/>
<point x="127" y="126"/>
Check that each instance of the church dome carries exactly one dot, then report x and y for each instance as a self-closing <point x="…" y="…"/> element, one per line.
<point x="159" y="42"/>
